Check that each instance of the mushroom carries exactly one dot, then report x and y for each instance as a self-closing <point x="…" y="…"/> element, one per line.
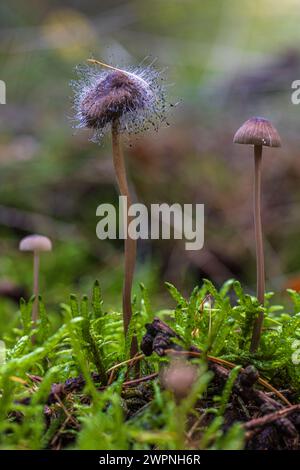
<point x="119" y="101"/>
<point x="179" y="377"/>
<point x="258" y="132"/>
<point x="37" y="244"/>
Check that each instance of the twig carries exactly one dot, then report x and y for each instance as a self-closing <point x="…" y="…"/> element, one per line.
<point x="270" y="418"/>
<point x="140" y="380"/>
<point x="231" y="365"/>
<point x="131" y="362"/>
<point x="160" y="339"/>
<point x="68" y="415"/>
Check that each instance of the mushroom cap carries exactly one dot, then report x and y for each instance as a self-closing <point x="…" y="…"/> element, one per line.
<point x="35" y="243"/>
<point x="113" y="96"/>
<point x="179" y="378"/>
<point x="257" y="131"/>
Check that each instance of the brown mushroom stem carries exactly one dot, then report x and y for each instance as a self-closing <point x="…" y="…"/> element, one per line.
<point x="35" y="307"/>
<point x="129" y="244"/>
<point x="260" y="264"/>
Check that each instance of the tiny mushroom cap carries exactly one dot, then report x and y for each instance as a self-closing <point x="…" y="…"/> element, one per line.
<point x="35" y="243"/>
<point x="257" y="131"/>
<point x="179" y="378"/>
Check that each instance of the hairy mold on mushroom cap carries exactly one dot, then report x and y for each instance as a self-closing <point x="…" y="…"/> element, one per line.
<point x="35" y="243"/>
<point x="121" y="101"/>
<point x="115" y="95"/>
<point x="257" y="131"/>
<point x="136" y="98"/>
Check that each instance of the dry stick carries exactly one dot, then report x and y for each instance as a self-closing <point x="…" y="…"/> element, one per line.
<point x="130" y="244"/>
<point x="230" y="365"/>
<point x="213" y="359"/>
<point x="129" y="383"/>
<point x="269" y="418"/>
<point x="130" y="362"/>
<point x="260" y="263"/>
<point x="66" y="411"/>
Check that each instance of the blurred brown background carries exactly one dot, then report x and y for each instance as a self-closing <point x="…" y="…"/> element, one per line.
<point x="225" y="61"/>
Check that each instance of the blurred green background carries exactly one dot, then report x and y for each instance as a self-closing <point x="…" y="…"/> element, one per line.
<point x="224" y="61"/>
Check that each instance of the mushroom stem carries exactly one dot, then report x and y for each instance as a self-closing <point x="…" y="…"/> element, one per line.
<point x="130" y="244"/>
<point x="36" y="266"/>
<point x="260" y="264"/>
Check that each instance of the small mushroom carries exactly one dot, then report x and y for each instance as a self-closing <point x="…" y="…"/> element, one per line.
<point x="258" y="132"/>
<point x="179" y="377"/>
<point x="123" y="102"/>
<point x="36" y="244"/>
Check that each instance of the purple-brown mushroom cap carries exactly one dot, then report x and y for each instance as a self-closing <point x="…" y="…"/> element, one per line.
<point x="257" y="131"/>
